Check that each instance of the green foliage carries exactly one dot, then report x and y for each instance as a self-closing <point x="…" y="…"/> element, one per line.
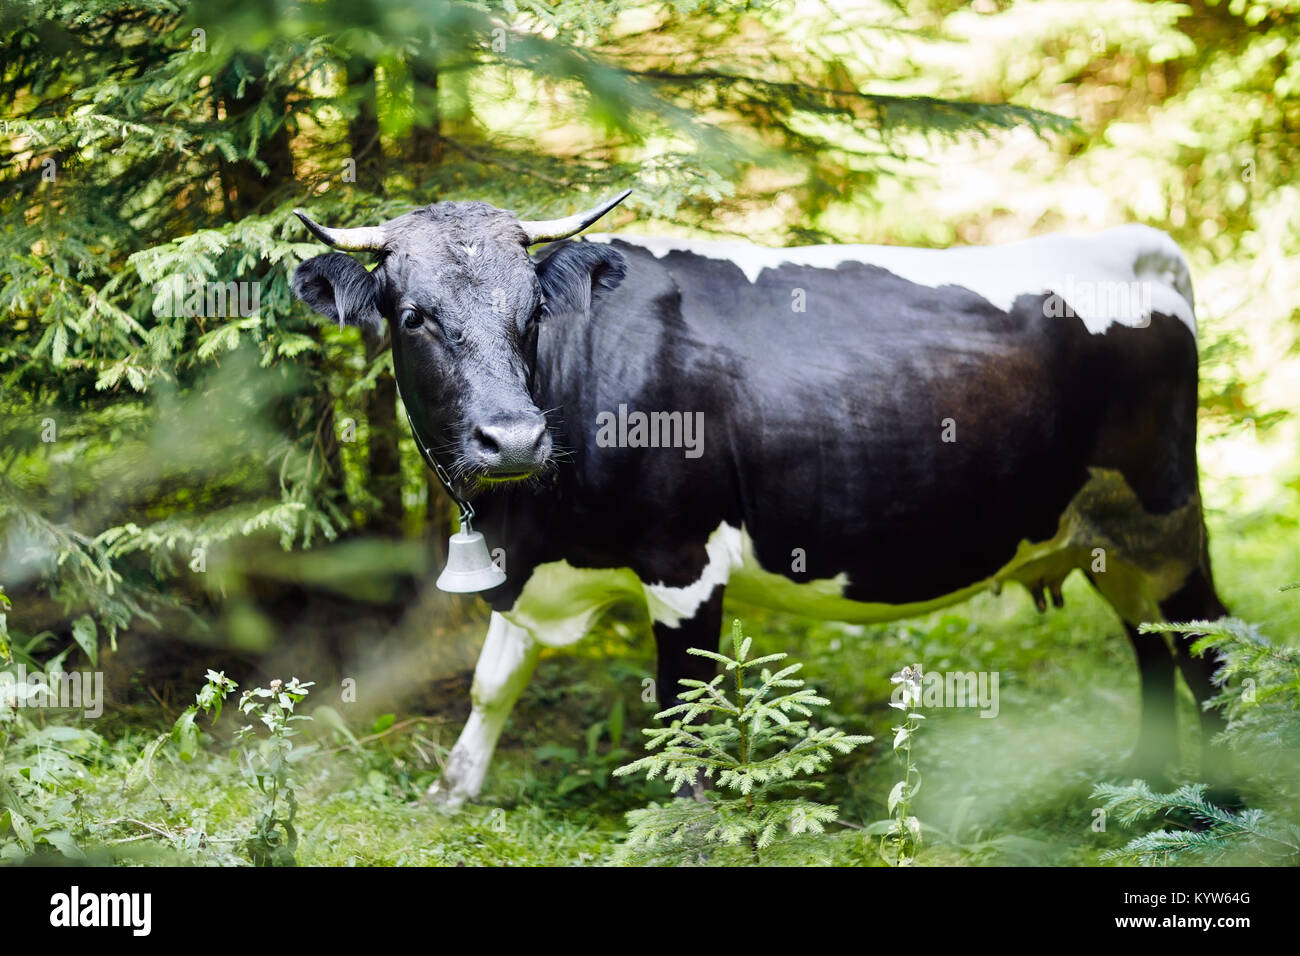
<point x="900" y="836"/>
<point x="265" y="758"/>
<point x="1260" y="698"/>
<point x="6" y="652"/>
<point x="41" y="763"/>
<point x="40" y="784"/>
<point x="754" y="742"/>
<point x="267" y="762"/>
<point x="1261" y="688"/>
<point x="593" y="766"/>
<point x="1213" y="834"/>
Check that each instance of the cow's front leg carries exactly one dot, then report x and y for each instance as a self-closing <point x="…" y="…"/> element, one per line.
<point x="504" y="665"/>
<point x="672" y="641"/>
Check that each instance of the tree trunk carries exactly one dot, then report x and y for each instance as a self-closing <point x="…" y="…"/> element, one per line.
<point x="363" y="132"/>
<point x="384" y="474"/>
<point x="426" y="151"/>
<point x="384" y="466"/>
<point x="246" y="189"/>
<point x="426" y="146"/>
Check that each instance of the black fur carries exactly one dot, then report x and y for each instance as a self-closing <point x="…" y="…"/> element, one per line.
<point x="576" y="275"/>
<point x="339" y="288"/>
<point x="464" y="301"/>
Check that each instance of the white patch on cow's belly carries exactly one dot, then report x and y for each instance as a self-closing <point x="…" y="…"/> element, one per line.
<point x="559" y="602"/>
<point x="1096" y="268"/>
<point x="671" y="605"/>
<point x="824" y="598"/>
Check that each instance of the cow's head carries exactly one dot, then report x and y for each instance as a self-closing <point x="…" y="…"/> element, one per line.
<point x="463" y="299"/>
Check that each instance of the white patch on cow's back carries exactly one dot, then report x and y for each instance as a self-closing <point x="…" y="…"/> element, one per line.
<point x="1053" y="263"/>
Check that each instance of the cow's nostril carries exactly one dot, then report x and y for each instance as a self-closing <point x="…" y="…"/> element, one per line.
<point x="516" y="446"/>
<point x="539" y="434"/>
<point x="487" y="441"/>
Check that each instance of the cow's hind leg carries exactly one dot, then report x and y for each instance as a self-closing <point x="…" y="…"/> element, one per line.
<point x="1157" y="743"/>
<point x="672" y="642"/>
<point x="1124" y="587"/>
<point x="504" y="666"/>
<point x="1197" y="600"/>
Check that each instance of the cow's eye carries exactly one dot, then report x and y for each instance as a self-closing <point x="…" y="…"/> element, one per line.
<point x="411" y="319"/>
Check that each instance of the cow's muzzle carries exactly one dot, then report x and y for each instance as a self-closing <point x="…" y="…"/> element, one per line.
<point x="508" y="447"/>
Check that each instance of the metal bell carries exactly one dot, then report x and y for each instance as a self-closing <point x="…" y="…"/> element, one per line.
<point x="469" y="567"/>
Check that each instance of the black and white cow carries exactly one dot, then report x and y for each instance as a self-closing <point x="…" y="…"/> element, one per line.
<point x="860" y="433"/>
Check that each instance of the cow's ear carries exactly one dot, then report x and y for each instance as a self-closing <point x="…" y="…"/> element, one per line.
<point x="339" y="288"/>
<point x="575" y="275"/>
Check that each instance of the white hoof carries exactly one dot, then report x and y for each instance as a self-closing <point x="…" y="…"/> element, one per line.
<point x="445" y="795"/>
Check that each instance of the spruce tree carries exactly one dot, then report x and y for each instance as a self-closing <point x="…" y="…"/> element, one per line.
<point x="748" y="733"/>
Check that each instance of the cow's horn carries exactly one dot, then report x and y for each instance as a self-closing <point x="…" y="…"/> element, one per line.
<point x="548" y="230"/>
<point x="359" y="239"/>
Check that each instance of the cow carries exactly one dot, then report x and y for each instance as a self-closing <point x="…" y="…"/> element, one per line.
<point x="847" y="432"/>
